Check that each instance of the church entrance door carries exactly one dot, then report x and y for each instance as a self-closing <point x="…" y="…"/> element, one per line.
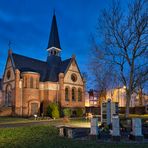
<point x="34" y="108"/>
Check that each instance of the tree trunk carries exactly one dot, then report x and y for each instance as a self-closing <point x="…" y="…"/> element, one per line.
<point x="140" y="97"/>
<point x="128" y="98"/>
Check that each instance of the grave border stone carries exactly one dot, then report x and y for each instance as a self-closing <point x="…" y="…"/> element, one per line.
<point x="135" y="127"/>
<point x="94" y="129"/>
<point x="115" y="126"/>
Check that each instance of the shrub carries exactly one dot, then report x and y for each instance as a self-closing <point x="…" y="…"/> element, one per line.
<point x="53" y="110"/>
<point x="67" y="112"/>
<point x="79" y="112"/>
<point x="55" y="113"/>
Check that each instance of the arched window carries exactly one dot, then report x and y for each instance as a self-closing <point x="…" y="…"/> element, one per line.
<point x="25" y="82"/>
<point x="55" y="52"/>
<point x="73" y="94"/>
<point x="79" y="94"/>
<point x="31" y="82"/>
<point x="37" y="83"/>
<point x="8" y="96"/>
<point x="66" y="94"/>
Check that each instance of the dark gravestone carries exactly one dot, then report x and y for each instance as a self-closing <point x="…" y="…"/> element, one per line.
<point x="78" y="132"/>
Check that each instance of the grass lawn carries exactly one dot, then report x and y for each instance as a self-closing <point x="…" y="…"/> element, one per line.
<point x="7" y="120"/>
<point x="47" y="137"/>
<point x="73" y="122"/>
<point x="12" y="119"/>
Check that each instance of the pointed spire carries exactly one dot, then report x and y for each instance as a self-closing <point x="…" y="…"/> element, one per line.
<point x="54" y="36"/>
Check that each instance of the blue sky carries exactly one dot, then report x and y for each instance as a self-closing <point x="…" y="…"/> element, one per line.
<point x="26" y="23"/>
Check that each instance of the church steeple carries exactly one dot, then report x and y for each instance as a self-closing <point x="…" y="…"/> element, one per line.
<point x="54" y="47"/>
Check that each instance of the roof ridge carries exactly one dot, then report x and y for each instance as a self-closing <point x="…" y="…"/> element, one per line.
<point x="28" y="57"/>
<point x="66" y="60"/>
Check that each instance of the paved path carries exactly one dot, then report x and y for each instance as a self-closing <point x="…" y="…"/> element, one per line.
<point x="12" y="125"/>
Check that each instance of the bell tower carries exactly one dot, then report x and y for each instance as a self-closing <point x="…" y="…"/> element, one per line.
<point x="54" y="48"/>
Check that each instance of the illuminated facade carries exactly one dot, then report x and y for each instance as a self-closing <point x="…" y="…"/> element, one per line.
<point x="116" y="95"/>
<point x="29" y="85"/>
<point x="91" y="99"/>
<point x="119" y="95"/>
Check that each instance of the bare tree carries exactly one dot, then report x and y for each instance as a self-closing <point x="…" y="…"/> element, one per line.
<point x="103" y="74"/>
<point x="125" y="43"/>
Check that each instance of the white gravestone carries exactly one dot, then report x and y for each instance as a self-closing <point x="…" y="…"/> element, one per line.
<point x="94" y="127"/>
<point x="108" y="109"/>
<point x="108" y="112"/>
<point x="61" y="131"/>
<point x="104" y="112"/>
<point x="115" y="128"/>
<point x="137" y="129"/>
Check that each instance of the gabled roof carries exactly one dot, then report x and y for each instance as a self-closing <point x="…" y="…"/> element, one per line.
<point x="65" y="64"/>
<point x="24" y="64"/>
<point x="54" y="36"/>
<point x="0" y="84"/>
<point x="47" y="70"/>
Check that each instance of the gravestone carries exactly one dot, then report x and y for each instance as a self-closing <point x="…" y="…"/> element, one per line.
<point x="115" y="128"/>
<point x="137" y="129"/>
<point x="114" y="109"/>
<point x="108" y="112"/>
<point x="74" y="132"/>
<point x="61" y="131"/>
<point x="70" y="133"/>
<point x="94" y="130"/>
<point x="108" y="109"/>
<point x="104" y="112"/>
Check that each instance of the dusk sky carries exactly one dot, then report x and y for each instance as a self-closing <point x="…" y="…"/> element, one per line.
<point x="26" y="23"/>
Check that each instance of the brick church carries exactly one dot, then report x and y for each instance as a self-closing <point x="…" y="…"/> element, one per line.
<point x="29" y="85"/>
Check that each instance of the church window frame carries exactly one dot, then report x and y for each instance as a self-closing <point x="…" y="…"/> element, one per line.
<point x="37" y="83"/>
<point x="66" y="94"/>
<point x="73" y="77"/>
<point x="25" y="82"/>
<point x="73" y="94"/>
<point x="8" y="74"/>
<point x="79" y="94"/>
<point x="31" y="82"/>
<point x="55" y="52"/>
<point x="8" y="95"/>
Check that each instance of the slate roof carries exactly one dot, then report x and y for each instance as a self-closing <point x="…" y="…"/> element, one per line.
<point x="54" y="36"/>
<point x="0" y="84"/>
<point x="48" y="71"/>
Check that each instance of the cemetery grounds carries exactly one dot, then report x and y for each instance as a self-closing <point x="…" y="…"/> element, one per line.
<point x="46" y="136"/>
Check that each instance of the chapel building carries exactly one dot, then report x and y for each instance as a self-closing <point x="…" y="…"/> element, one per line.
<point x="30" y="85"/>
